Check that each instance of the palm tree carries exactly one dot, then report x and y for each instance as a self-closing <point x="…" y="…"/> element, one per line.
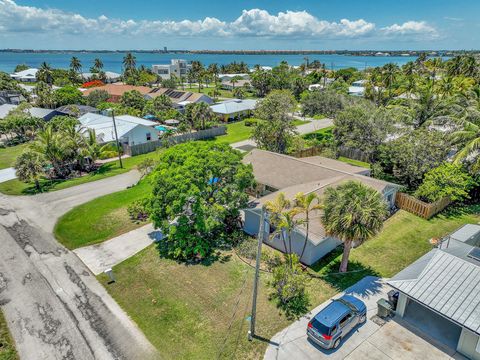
<point x="213" y="69"/>
<point x="275" y="208"/>
<point x="389" y="76"/>
<point x="98" y="64"/>
<point x="129" y="62"/>
<point x="45" y="73"/>
<point x="75" y="65"/>
<point x="202" y="113"/>
<point x="352" y="212"/>
<point x="306" y="204"/>
<point x="235" y="80"/>
<point x="469" y="139"/>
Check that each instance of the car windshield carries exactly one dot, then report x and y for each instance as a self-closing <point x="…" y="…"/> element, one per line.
<point x="321" y="328"/>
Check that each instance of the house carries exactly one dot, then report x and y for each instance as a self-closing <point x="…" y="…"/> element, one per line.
<point x="177" y="67"/>
<point x="29" y="75"/>
<point x="131" y="130"/>
<point x="76" y="110"/>
<point x="440" y="292"/>
<point x="277" y="173"/>
<point x="229" y="85"/>
<point x="11" y="97"/>
<point x="179" y="98"/>
<point x="110" y="76"/>
<point x="228" y="77"/>
<point x="45" y="114"/>
<point x="234" y="109"/>
<point x="357" y="88"/>
<point x="117" y="90"/>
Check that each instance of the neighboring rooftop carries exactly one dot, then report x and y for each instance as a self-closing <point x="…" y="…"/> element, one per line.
<point x="234" y="106"/>
<point x="447" y="280"/>
<point x="76" y="110"/>
<point x="119" y="90"/>
<point x="91" y="119"/>
<point x="34" y="111"/>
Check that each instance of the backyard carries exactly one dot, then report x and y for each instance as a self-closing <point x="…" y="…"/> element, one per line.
<point x="17" y="187"/>
<point x="206" y="307"/>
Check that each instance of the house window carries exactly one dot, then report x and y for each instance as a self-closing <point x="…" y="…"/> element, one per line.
<point x="149" y="136"/>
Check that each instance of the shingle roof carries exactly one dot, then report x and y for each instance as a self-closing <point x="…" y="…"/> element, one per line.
<point x="445" y="283"/>
<point x="119" y="90"/>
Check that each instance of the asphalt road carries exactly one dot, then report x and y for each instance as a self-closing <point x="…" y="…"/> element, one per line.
<point x="54" y="306"/>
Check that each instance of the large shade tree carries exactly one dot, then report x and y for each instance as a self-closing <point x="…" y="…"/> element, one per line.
<point x="198" y="190"/>
<point x="352" y="212"/>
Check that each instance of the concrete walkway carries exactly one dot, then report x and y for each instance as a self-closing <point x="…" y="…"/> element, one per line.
<point x="100" y="257"/>
<point x="7" y="174"/>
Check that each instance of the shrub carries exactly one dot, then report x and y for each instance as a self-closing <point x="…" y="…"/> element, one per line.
<point x="93" y="83"/>
<point x="251" y="122"/>
<point x="138" y="211"/>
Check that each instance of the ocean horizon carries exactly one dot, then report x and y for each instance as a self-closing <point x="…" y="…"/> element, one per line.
<point x="113" y="61"/>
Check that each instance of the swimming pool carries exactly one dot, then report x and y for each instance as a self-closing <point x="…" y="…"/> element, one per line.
<point x="161" y="128"/>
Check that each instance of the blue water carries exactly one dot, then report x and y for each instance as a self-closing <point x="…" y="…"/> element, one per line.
<point x="161" y="128"/>
<point x="113" y="61"/>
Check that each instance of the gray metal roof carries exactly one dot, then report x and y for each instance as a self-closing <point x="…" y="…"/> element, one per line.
<point x="469" y="234"/>
<point x="445" y="283"/>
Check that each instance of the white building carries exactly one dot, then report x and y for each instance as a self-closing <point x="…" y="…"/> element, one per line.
<point x="131" y="130"/>
<point x="29" y="75"/>
<point x="110" y="76"/>
<point x="177" y="67"/>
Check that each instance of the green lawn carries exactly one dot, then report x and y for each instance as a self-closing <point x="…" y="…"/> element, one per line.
<point x="7" y="346"/>
<point x="9" y="154"/>
<point x="236" y="131"/>
<point x="354" y="162"/>
<point x="205" y="307"/>
<point x="17" y="187"/>
<point x="100" y="219"/>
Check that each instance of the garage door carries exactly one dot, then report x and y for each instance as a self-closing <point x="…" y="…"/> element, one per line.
<point x="432" y="324"/>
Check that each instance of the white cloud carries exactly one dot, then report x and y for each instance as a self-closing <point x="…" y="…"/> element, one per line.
<point x="15" y="18"/>
<point x="411" y="28"/>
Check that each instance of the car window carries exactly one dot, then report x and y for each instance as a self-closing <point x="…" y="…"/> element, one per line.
<point x="334" y="330"/>
<point x="345" y="320"/>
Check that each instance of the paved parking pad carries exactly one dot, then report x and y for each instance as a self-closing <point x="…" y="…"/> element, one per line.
<point x="371" y="341"/>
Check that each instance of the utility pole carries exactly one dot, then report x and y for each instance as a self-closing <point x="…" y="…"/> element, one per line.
<point x="261" y="233"/>
<point x="116" y="138"/>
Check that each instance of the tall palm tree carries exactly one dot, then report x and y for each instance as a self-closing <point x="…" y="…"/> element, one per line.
<point x="75" y="64"/>
<point x="389" y="76"/>
<point x="98" y="64"/>
<point x="469" y="139"/>
<point x="202" y="113"/>
<point x="353" y="213"/>
<point x="275" y="208"/>
<point x="306" y="204"/>
<point x="129" y="61"/>
<point x="213" y="69"/>
<point x="45" y="73"/>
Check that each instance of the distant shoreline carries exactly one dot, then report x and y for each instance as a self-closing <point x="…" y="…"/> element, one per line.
<point x="261" y="52"/>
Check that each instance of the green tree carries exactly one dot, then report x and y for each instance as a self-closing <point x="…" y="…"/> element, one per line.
<point x="468" y="138"/>
<point x="75" y="65"/>
<point x="306" y="204"/>
<point x="68" y="95"/>
<point x="445" y="181"/>
<point x="45" y="73"/>
<point x="326" y="103"/>
<point x="199" y="115"/>
<point x="277" y="131"/>
<point x="261" y="81"/>
<point x="198" y="190"/>
<point x="353" y="213"/>
<point x="97" y="97"/>
<point x="29" y="167"/>
<point x="21" y="67"/>
<point x="133" y="99"/>
<point x="98" y="65"/>
<point x="129" y="61"/>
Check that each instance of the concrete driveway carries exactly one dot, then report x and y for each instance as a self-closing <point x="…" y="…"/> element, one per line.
<point x="371" y="340"/>
<point x="7" y="174"/>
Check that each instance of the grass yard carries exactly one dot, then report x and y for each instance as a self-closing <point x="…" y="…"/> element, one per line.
<point x="202" y="307"/>
<point x="7" y="346"/>
<point x="9" y="154"/>
<point x="100" y="219"/>
<point x="354" y="162"/>
<point x="236" y="131"/>
<point x="205" y="307"/>
<point x="17" y="187"/>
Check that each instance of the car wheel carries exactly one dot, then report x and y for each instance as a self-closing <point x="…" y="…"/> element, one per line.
<point x="337" y="342"/>
<point x="363" y="318"/>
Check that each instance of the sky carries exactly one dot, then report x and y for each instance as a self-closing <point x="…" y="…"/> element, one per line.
<point x="252" y="25"/>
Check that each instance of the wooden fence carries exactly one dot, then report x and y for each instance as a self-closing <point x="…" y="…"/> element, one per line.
<point x="354" y="154"/>
<point x="313" y="151"/>
<point x="418" y="207"/>
<point x="176" y="139"/>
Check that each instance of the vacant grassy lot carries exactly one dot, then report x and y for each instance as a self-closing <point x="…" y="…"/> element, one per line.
<point x="100" y="219"/>
<point x="17" y="187"/>
<point x="205" y="307"/>
<point x="9" y="154"/>
<point x="7" y="347"/>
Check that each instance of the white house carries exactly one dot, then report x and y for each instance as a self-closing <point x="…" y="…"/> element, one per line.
<point x="29" y="75"/>
<point x="234" y="108"/>
<point x="131" y="130"/>
<point x="228" y="77"/>
<point x="357" y="88"/>
<point x="277" y="173"/>
<point x="110" y="76"/>
<point x="177" y="67"/>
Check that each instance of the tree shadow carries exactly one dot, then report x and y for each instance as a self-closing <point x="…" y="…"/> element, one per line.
<point x="327" y="269"/>
<point x="215" y="256"/>
<point x="459" y="210"/>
